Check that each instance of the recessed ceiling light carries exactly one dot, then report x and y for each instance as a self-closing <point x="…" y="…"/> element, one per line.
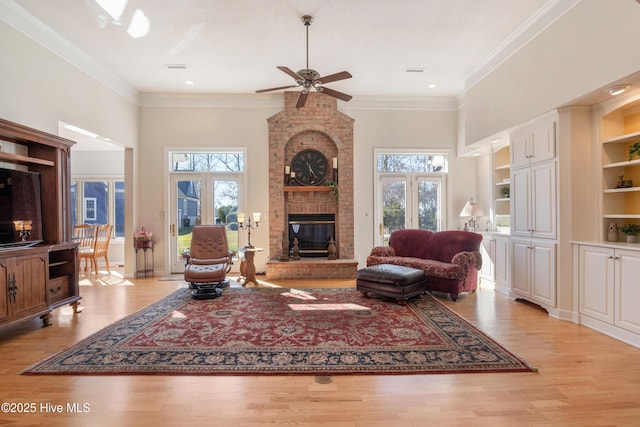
<point x="617" y="90"/>
<point x="189" y="82"/>
<point x="432" y="85"/>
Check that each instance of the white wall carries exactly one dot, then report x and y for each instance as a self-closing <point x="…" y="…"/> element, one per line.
<point x="39" y="89"/>
<point x="592" y="45"/>
<point x="214" y="125"/>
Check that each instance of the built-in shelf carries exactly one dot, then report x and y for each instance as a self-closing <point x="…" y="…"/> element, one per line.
<point x="24" y="160"/>
<point x="307" y="188"/>
<point x="503" y="199"/>
<point x="622" y="164"/>
<point x="622" y="190"/>
<point x="622" y="216"/>
<point x="503" y="167"/>
<point x="502" y="183"/>
<point x="630" y="137"/>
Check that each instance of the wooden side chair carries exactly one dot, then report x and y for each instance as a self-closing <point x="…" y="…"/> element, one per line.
<point x="99" y="248"/>
<point x="84" y="235"/>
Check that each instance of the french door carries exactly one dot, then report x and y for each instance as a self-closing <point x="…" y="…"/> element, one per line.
<point x="201" y="198"/>
<point x="409" y="201"/>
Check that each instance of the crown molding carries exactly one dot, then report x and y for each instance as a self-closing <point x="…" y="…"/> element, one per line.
<point x="550" y="13"/>
<point x="276" y="101"/>
<point x="17" y="17"/>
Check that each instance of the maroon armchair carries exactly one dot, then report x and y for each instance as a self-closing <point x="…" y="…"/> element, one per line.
<point x="450" y="259"/>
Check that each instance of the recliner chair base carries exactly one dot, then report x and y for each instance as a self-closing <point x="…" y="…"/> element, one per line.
<point x="206" y="291"/>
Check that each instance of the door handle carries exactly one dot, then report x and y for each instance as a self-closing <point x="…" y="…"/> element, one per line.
<point x="173" y="230"/>
<point x="380" y="229"/>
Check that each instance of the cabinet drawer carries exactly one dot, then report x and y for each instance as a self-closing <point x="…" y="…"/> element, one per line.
<point x="58" y="288"/>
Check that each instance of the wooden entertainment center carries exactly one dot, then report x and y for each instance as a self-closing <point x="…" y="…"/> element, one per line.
<point x="35" y="280"/>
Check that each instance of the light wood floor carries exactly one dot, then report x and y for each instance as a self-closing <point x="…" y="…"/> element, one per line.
<point x="584" y="378"/>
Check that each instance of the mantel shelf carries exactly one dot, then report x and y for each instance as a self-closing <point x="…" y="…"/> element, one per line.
<point x="622" y="216"/>
<point x="24" y="160"/>
<point x="306" y="188"/>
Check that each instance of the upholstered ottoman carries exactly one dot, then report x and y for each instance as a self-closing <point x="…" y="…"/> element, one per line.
<point x="395" y="281"/>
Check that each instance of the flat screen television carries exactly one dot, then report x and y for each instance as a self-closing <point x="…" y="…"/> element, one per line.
<point x="20" y="201"/>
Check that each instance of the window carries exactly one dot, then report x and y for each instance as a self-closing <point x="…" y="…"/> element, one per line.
<point x="98" y="201"/>
<point x="89" y="209"/>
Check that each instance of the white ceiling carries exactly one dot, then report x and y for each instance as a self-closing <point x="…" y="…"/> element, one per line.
<point x="234" y="46"/>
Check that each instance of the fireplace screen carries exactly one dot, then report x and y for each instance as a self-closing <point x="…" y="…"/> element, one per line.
<point x="313" y="232"/>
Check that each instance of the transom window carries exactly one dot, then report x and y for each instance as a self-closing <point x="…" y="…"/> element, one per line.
<point x="207" y="162"/>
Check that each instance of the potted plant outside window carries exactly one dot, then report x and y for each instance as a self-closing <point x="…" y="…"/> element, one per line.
<point x="632" y="231"/>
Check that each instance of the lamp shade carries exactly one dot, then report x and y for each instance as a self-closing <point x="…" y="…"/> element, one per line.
<point x="471" y="209"/>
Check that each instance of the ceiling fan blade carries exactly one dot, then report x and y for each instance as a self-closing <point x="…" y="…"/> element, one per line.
<point x="335" y="77"/>
<point x="275" y="88"/>
<point x="302" y="98"/>
<point x="292" y="73"/>
<point x="334" y="93"/>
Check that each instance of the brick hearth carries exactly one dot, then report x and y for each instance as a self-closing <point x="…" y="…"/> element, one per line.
<point x="318" y="125"/>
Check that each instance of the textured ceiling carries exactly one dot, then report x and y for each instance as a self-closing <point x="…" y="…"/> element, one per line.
<point x="234" y="46"/>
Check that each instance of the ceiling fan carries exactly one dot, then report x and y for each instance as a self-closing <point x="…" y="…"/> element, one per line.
<point x="308" y="78"/>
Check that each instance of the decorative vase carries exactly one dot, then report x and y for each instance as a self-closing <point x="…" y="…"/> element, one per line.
<point x="612" y="233"/>
<point x="631" y="238"/>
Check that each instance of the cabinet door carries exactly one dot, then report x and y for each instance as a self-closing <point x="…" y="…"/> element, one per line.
<point x="542" y="144"/>
<point x="627" y="290"/>
<point x="520" y="268"/>
<point x="31" y="295"/>
<point x="501" y="263"/>
<point x="4" y="292"/>
<point x="521" y="202"/>
<point x="520" y="148"/>
<point x="543" y="273"/>
<point x="596" y="278"/>
<point x="487" y="252"/>
<point x="543" y="200"/>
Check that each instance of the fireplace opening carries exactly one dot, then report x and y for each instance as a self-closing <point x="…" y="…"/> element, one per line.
<point x="313" y="232"/>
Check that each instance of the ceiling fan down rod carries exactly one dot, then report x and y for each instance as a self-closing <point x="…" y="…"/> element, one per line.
<point x="307" y="20"/>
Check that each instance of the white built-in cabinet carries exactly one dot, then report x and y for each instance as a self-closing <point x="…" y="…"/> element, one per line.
<point x="534" y="143"/>
<point x="533" y="247"/>
<point x="609" y="288"/>
<point x="534" y="201"/>
<point x="534" y="271"/>
<point x="495" y="261"/>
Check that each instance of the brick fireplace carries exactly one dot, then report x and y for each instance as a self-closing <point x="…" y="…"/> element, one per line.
<point x="320" y="126"/>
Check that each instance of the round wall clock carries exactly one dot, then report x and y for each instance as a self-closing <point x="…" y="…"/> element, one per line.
<point x="310" y="166"/>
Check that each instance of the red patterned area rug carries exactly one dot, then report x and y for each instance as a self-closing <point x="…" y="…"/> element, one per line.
<point x="285" y="331"/>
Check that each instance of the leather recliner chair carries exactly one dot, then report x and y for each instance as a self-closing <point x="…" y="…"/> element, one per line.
<point x="208" y="262"/>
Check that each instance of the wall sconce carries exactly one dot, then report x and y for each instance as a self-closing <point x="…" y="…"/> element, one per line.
<point x="23" y="227"/>
<point x="472" y="210"/>
<point x="249" y="225"/>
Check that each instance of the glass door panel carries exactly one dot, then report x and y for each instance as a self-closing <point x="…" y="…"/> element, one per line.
<point x="186" y="194"/>
<point x="225" y="208"/>
<point x="429" y="204"/>
<point x="394" y="207"/>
